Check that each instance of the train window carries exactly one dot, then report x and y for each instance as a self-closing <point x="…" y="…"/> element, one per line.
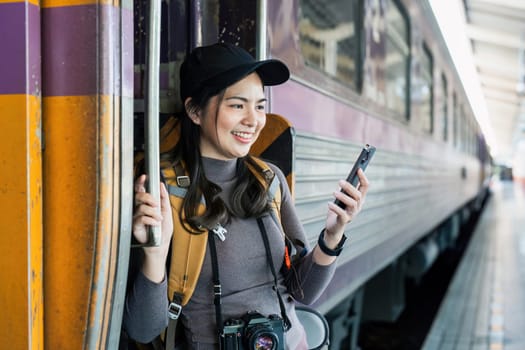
<point x="472" y="138"/>
<point x="461" y="128"/>
<point x="455" y="111"/>
<point x="466" y="134"/>
<point x="426" y="91"/>
<point x="330" y="37"/>
<point x="397" y="61"/>
<point x="444" y="107"/>
<point x="468" y="137"/>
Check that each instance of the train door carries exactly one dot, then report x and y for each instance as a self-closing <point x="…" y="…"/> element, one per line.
<point x="183" y="26"/>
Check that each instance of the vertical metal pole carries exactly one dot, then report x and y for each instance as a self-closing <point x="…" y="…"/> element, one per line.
<point x="152" y="112"/>
<point x="262" y="25"/>
<point x="196" y="25"/>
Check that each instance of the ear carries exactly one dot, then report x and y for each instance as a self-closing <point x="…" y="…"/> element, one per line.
<point x="193" y="113"/>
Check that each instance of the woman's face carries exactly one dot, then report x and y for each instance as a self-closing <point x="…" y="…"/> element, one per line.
<point x="230" y="126"/>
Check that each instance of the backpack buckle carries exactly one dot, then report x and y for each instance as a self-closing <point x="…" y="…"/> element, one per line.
<point x="217" y="289"/>
<point x="268" y="174"/>
<point x="174" y="310"/>
<point x="183" y="181"/>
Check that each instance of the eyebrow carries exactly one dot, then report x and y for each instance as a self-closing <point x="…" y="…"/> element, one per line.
<point x="244" y="99"/>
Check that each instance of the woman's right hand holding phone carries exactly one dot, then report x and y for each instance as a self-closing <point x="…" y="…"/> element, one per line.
<point x="148" y="212"/>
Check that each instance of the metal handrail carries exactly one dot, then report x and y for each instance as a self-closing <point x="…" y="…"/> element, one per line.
<point x="262" y="25"/>
<point x="151" y="136"/>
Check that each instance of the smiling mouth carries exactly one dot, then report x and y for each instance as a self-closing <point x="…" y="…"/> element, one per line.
<point x="247" y="136"/>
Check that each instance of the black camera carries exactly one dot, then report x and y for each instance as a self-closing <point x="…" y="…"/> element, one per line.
<point x="253" y="331"/>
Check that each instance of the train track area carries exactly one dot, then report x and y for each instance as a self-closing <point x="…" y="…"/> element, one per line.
<point x="422" y="304"/>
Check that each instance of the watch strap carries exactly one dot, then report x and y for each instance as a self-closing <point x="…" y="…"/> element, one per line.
<point x="328" y="251"/>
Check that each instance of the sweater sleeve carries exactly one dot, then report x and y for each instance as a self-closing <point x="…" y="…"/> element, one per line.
<point x="146" y="306"/>
<point x="306" y="280"/>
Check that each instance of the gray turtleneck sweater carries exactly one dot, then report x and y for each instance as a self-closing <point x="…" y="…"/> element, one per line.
<point x="246" y="278"/>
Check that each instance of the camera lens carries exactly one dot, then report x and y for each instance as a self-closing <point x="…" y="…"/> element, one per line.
<point x="265" y="342"/>
<point x="262" y="339"/>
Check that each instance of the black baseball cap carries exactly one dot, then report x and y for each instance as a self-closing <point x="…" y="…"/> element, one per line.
<point x="220" y="65"/>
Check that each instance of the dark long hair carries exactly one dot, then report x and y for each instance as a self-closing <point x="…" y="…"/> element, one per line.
<point x="248" y="199"/>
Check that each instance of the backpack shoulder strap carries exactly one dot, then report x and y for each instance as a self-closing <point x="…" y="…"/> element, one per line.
<point x="294" y="247"/>
<point x="187" y="249"/>
<point x="266" y="176"/>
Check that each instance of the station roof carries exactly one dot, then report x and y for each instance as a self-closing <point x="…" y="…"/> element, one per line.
<point x="496" y="30"/>
<point x="495" y="35"/>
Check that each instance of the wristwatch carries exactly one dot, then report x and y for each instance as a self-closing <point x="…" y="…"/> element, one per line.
<point x="329" y="251"/>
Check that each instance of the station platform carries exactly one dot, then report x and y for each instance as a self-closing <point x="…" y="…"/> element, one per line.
<point x="484" y="307"/>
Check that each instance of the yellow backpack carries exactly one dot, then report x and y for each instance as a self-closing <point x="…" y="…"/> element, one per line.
<point x="188" y="249"/>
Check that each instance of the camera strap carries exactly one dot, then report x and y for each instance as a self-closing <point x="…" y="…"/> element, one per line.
<point x="286" y="320"/>
<point x="217" y="288"/>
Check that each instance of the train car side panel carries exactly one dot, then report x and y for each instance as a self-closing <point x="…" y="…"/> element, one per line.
<point x="21" y="270"/>
<point x="419" y="181"/>
<point x="87" y="125"/>
<point x="21" y="228"/>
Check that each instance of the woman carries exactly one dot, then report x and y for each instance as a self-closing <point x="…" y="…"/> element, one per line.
<point x="222" y="88"/>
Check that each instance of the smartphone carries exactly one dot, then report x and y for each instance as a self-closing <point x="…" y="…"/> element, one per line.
<point x="361" y="163"/>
